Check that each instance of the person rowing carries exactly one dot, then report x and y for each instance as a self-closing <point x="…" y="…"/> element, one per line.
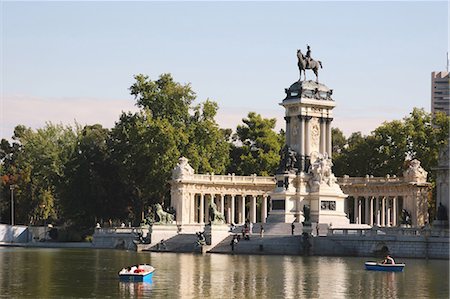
<point x="388" y="260"/>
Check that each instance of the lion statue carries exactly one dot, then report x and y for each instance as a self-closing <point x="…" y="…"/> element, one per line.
<point x="164" y="217"/>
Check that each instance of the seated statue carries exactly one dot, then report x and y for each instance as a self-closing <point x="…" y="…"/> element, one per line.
<point x="163" y="216"/>
<point x="215" y="216"/>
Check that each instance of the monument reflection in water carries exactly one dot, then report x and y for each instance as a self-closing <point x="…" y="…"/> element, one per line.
<point x="65" y="273"/>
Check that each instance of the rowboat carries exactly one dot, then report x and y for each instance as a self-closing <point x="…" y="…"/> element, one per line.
<point x="374" y="266"/>
<point x="137" y="273"/>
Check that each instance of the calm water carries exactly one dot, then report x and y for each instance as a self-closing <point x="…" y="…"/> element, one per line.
<point x="84" y="273"/>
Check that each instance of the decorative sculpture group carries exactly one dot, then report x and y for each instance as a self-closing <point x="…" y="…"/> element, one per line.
<point x="288" y="161"/>
<point x="320" y="170"/>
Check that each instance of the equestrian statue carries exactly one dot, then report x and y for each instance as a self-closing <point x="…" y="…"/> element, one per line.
<point x="305" y="62"/>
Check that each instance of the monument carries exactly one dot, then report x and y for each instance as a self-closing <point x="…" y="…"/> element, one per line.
<point x="305" y="181"/>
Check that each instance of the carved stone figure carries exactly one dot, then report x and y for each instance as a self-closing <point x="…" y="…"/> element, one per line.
<point x="320" y="170"/>
<point x="163" y="216"/>
<point x="307" y="63"/>
<point x="215" y="216"/>
<point x="288" y="160"/>
<point x="415" y="172"/>
<point x="182" y="169"/>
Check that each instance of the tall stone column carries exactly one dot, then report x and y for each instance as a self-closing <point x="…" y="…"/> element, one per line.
<point x="377" y="211"/>
<point x="208" y="200"/>
<point x="288" y="130"/>
<point x="383" y="211"/>
<point x="253" y="209"/>
<point x="242" y="209"/>
<point x="202" y="209"/>
<point x="307" y="136"/>
<point x="264" y="209"/>
<point x="329" y="147"/>
<point x="366" y="210"/>
<point x="388" y="212"/>
<point x="355" y="209"/>
<point x="301" y="120"/>
<point x="359" y="210"/>
<point x="233" y="207"/>
<point x="222" y="204"/>
<point x="322" y="135"/>
<point x="394" y="210"/>
<point x="371" y="210"/>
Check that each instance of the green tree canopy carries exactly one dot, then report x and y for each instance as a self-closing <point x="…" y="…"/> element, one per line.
<point x="257" y="146"/>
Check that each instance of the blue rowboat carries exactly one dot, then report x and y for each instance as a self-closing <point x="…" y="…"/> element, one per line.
<point x="137" y="273"/>
<point x="374" y="266"/>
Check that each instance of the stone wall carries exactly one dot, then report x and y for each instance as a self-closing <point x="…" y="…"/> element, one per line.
<point x="432" y="244"/>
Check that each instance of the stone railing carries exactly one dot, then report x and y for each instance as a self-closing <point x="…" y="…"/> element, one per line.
<point x="230" y="179"/>
<point x="345" y="180"/>
<point x="391" y="231"/>
<point x="117" y="230"/>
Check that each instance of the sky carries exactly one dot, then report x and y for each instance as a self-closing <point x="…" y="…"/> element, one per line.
<point x="66" y="62"/>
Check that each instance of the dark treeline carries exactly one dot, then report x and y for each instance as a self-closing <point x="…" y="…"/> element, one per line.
<point x="77" y="176"/>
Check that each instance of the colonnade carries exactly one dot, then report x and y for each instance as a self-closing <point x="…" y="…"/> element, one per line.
<point x="298" y="130"/>
<point x="375" y="210"/>
<point x="233" y="206"/>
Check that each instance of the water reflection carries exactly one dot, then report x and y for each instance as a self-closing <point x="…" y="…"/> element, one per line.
<point x="135" y="289"/>
<point x="55" y="273"/>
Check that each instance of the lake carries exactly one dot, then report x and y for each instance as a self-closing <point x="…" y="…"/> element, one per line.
<point x="91" y="273"/>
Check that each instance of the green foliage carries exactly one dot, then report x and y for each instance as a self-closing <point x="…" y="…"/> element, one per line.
<point x="391" y="145"/>
<point x="257" y="147"/>
<point x="35" y="164"/>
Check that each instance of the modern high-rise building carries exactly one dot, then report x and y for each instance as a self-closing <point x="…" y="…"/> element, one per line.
<point x="440" y="92"/>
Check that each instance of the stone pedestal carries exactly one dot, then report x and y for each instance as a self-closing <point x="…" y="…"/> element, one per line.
<point x="284" y="199"/>
<point x="215" y="233"/>
<point x="162" y="232"/>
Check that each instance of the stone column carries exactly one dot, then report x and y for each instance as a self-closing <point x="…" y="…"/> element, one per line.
<point x="377" y="211"/>
<point x="371" y="210"/>
<point x="359" y="210"/>
<point x="202" y="209"/>
<point x="301" y="120"/>
<point x="383" y="211"/>
<point x="329" y="138"/>
<point x="288" y="130"/>
<point x="264" y="209"/>
<point x="355" y="210"/>
<point x="208" y="200"/>
<point x="366" y="210"/>
<point x="242" y="209"/>
<point x="307" y="135"/>
<point x="388" y="211"/>
<point x="394" y="210"/>
<point x="322" y="135"/>
<point x="233" y="198"/>
<point x="222" y="204"/>
<point x="253" y="209"/>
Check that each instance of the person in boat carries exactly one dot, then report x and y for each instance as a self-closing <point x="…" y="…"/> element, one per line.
<point x="388" y="260"/>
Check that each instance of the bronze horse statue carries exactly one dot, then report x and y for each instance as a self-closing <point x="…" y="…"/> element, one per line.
<point x="304" y="64"/>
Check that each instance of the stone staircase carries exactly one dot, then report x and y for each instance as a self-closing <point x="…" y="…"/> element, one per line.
<point x="178" y="243"/>
<point x="269" y="244"/>
<point x="279" y="229"/>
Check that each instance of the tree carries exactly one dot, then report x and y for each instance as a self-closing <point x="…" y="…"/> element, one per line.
<point x="389" y="147"/>
<point x="257" y="146"/>
<point x="92" y="190"/>
<point x="147" y="145"/>
<point x="35" y="164"/>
